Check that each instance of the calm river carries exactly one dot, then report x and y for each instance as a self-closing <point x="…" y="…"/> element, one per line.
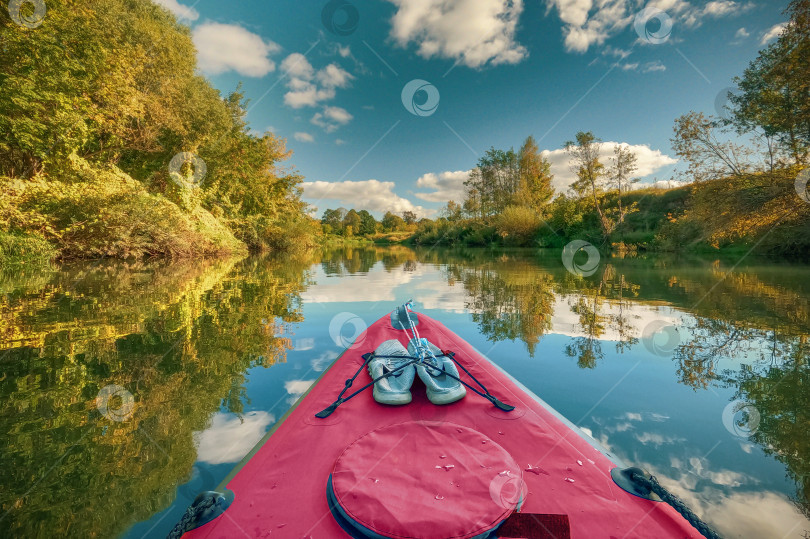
<point x="127" y="388"/>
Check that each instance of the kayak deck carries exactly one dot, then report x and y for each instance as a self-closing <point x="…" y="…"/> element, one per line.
<point x="280" y="488"/>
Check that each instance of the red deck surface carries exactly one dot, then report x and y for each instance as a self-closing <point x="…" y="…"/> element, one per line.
<point x="281" y="490"/>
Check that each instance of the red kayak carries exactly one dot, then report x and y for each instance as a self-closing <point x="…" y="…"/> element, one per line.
<point x="499" y="462"/>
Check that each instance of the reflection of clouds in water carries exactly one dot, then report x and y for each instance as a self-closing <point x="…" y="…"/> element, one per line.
<point x="296" y="388"/>
<point x="230" y="438"/>
<point x="732" y="512"/>
<point x="377" y="285"/>
<point x="658" y="439"/>
<point x="322" y="361"/>
<point x="566" y="322"/>
<point x="719" y="500"/>
<point x="441" y="296"/>
<point x="303" y="344"/>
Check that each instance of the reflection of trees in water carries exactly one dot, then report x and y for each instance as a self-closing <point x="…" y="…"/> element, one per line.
<point x="589" y="301"/>
<point x="358" y="260"/>
<point x="781" y="395"/>
<point x="178" y="336"/>
<point x="767" y="327"/>
<point x="509" y="299"/>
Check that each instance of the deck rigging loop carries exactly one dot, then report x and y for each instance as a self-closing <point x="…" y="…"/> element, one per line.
<point x="206" y="507"/>
<point x="426" y="356"/>
<point x="641" y="483"/>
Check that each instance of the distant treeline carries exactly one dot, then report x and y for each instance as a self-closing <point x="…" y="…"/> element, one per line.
<point x="744" y="168"/>
<point x="94" y="106"/>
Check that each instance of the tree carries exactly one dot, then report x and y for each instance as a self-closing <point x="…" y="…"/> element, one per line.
<point x="409" y="217"/>
<point x="452" y="211"/>
<point x="368" y="224"/>
<point x="774" y="89"/>
<point x="696" y="142"/>
<point x="535" y="177"/>
<point x="584" y="154"/>
<point x="334" y="219"/>
<point x="392" y="222"/>
<point x="494" y="182"/>
<point x="623" y="165"/>
<point x="351" y="223"/>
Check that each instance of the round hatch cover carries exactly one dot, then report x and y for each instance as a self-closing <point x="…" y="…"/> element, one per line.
<point x="425" y="479"/>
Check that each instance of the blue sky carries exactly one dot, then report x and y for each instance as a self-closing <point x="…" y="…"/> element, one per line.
<point x="500" y="70"/>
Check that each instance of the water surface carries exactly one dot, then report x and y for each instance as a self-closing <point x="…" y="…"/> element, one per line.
<point x="696" y="369"/>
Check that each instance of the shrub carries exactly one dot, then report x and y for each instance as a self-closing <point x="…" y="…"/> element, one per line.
<point x="518" y="225"/>
<point x="94" y="212"/>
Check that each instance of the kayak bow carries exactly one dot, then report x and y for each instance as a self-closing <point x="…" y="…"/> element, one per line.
<point x="473" y="468"/>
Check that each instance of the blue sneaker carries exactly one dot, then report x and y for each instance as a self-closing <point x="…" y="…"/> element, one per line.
<point x="395" y="389"/>
<point x="441" y="389"/>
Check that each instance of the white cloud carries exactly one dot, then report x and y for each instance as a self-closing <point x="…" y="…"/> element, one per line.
<point x="340" y="142"/>
<point x="373" y="195"/>
<point x="180" y="11"/>
<point x="649" y="161"/>
<point x="334" y="76"/>
<point x="772" y="33"/>
<point x="583" y="29"/>
<point x="653" y="66"/>
<point x="590" y="22"/>
<point x="229" y="47"/>
<point x="344" y="52"/>
<point x="445" y="185"/>
<point x="308" y="87"/>
<point x="331" y="118"/>
<point x="303" y="137"/>
<point x="719" y="8"/>
<point x="229" y="438"/>
<point x="297" y="66"/>
<point x="742" y="33"/>
<point x="473" y="32"/>
<point x="621" y="54"/>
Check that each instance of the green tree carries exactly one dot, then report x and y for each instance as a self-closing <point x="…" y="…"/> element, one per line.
<point x="775" y="88"/>
<point x="535" y="177"/>
<point x="351" y="223"/>
<point x="585" y="163"/>
<point x="623" y="165"/>
<point x="368" y="224"/>
<point x="409" y="217"/>
<point x="494" y="182"/>
<point x="452" y="211"/>
<point x="392" y="222"/>
<point x="696" y="141"/>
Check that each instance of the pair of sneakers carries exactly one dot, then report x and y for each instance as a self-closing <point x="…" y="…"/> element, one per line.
<point x="396" y="389"/>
